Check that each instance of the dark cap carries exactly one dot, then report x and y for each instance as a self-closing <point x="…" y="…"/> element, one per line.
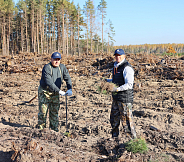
<point x="119" y="52"/>
<point x="56" y="55"/>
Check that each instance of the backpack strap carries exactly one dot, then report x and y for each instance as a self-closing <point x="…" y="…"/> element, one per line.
<point x="51" y="69"/>
<point x="60" y="69"/>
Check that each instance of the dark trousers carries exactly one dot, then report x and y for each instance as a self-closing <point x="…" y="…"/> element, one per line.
<point x="122" y="111"/>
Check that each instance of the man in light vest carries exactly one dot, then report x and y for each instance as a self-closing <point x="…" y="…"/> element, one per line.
<point x="123" y="77"/>
<point x="52" y="78"/>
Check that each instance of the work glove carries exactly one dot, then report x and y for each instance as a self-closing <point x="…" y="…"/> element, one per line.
<point x="108" y="80"/>
<point x="114" y="89"/>
<point x="62" y="93"/>
<point x="69" y="92"/>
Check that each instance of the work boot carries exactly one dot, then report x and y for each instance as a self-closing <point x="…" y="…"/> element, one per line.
<point x="115" y="134"/>
<point x="55" y="129"/>
<point x="131" y="136"/>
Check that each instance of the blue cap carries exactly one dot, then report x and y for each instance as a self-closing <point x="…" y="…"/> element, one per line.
<point x="119" y="52"/>
<point x="56" y="55"/>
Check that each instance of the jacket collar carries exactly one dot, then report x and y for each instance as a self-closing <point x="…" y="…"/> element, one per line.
<point x="116" y="65"/>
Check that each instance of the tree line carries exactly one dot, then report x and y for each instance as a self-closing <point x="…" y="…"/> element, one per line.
<point x="160" y="49"/>
<point x="45" y="26"/>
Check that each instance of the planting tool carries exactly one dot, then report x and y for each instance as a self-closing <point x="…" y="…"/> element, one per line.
<point x="67" y="132"/>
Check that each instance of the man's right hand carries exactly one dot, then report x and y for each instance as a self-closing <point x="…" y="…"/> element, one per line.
<point x="62" y="93"/>
<point x="114" y="89"/>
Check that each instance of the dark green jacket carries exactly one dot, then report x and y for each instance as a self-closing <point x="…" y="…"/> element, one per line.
<point x="52" y="77"/>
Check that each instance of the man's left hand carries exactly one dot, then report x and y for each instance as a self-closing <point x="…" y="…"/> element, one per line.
<point x="69" y="92"/>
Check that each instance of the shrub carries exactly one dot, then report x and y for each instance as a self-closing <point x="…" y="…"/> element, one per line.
<point x="171" y="50"/>
<point x="180" y="54"/>
<point x="137" y="145"/>
<point x="67" y="134"/>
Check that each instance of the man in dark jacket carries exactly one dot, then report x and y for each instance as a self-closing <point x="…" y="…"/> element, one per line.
<point x="53" y="75"/>
<point x="123" y="77"/>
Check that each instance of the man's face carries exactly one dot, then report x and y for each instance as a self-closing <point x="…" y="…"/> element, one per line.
<point x="119" y="58"/>
<point x="55" y="62"/>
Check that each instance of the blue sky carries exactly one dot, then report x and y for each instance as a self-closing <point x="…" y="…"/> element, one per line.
<point x="144" y="21"/>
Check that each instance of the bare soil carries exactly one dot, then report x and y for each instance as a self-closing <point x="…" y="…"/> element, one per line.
<point x="158" y="111"/>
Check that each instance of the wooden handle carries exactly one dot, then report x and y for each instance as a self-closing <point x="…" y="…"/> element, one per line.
<point x="32" y="99"/>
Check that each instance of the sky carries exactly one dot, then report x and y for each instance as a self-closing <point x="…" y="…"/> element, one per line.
<point x="144" y="21"/>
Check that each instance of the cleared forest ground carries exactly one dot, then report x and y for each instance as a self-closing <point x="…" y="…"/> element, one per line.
<point x="158" y="103"/>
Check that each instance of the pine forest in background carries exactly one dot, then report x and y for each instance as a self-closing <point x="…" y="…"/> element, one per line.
<point x="43" y="26"/>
